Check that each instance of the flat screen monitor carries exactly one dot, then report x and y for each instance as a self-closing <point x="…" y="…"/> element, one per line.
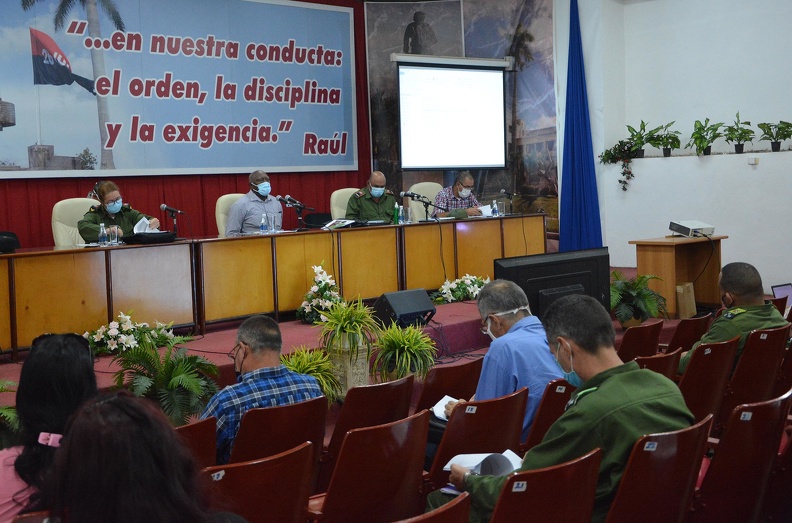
<point x="547" y="277"/>
<point x="451" y="117"/>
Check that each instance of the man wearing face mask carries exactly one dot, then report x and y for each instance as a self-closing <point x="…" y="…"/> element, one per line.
<point x="372" y="202"/>
<point x="615" y="404"/>
<point x="262" y="381"/>
<point x="245" y="215"/>
<point x="518" y="355"/>
<point x="112" y="212"/>
<point x="458" y="200"/>
<point x="743" y="296"/>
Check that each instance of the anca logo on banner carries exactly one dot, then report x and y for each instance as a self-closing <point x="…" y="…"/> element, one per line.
<point x="50" y="65"/>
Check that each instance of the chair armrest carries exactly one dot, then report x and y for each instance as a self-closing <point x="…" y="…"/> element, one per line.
<point x="315" y="505"/>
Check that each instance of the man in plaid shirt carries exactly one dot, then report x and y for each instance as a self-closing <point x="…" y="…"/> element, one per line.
<point x="262" y="381"/>
<point x="457" y="201"/>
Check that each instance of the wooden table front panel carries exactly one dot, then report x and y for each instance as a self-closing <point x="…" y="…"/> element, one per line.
<point x="59" y="292"/>
<point x="523" y="235"/>
<point x="5" y="307"/>
<point x="691" y="259"/>
<point x="237" y="277"/>
<point x="154" y="282"/>
<point x="422" y="256"/>
<point x="295" y="255"/>
<point x="660" y="260"/>
<point x="478" y="245"/>
<point x="369" y="262"/>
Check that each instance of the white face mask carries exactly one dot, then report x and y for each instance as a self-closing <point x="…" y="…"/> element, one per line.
<point x="464" y="193"/>
<point x="504" y="313"/>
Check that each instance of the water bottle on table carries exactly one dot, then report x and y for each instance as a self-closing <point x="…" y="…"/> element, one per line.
<point x="102" y="234"/>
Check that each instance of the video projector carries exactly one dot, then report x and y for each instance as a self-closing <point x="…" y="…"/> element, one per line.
<point x="692" y="228"/>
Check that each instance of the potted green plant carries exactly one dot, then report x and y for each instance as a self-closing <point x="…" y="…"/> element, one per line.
<point x="622" y="152"/>
<point x="640" y="137"/>
<point x="9" y="422"/>
<point x="632" y="301"/>
<point x="400" y="351"/>
<point x="738" y="134"/>
<point x="775" y="133"/>
<point x="703" y="136"/>
<point x="178" y="381"/>
<point x="349" y="328"/>
<point x="316" y="363"/>
<point x="666" y="139"/>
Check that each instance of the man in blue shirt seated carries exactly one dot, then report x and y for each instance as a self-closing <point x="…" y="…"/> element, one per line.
<point x="262" y="381"/>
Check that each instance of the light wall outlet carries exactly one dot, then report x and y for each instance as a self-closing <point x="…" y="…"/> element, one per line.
<point x="753" y="160"/>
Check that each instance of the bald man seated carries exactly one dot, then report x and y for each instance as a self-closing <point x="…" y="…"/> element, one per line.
<point x="372" y="202"/>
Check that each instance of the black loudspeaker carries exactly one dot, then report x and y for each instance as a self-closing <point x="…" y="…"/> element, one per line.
<point x="404" y="308"/>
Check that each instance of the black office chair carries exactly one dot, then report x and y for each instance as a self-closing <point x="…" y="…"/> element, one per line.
<point x="8" y="242"/>
<point x="317" y="220"/>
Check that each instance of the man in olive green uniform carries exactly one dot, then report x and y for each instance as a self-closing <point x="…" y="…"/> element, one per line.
<point x="743" y="296"/>
<point x="372" y="202"/>
<point x="614" y="405"/>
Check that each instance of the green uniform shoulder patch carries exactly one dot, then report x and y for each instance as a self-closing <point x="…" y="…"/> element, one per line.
<point x="733" y="312"/>
<point x="359" y="194"/>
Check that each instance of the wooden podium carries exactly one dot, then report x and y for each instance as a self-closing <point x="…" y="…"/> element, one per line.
<point x="677" y="259"/>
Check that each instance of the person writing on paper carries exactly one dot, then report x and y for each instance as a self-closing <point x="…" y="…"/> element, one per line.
<point x="458" y="200"/>
<point x="245" y="215"/>
<point x="113" y="213"/>
<point x="615" y="404"/>
<point x="372" y="202"/>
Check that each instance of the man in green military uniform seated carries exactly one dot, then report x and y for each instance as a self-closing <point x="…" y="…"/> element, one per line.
<point x="372" y="202"/>
<point x="743" y="296"/>
<point x="615" y="404"/>
<point x="112" y="212"/>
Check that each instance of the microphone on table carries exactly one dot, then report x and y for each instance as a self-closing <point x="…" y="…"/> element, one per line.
<point x="171" y="209"/>
<point x="507" y="193"/>
<point x="412" y="195"/>
<point x="285" y="201"/>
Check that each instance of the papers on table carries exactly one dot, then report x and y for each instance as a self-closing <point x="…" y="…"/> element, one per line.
<point x="487" y="464"/>
<point x="439" y="408"/>
<point x="144" y="226"/>
<point x="486" y="211"/>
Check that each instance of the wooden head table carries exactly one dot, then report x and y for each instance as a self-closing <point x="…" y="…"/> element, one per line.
<point x="678" y="259"/>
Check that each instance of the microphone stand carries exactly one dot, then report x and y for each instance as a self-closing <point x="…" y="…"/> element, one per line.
<point x="175" y="227"/>
<point x="511" y="203"/>
<point x="426" y="203"/>
<point x="299" y="208"/>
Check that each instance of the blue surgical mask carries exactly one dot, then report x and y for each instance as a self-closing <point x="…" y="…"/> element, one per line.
<point x="376" y="192"/>
<point x="571" y="376"/>
<point x="115" y="206"/>
<point x="264" y="188"/>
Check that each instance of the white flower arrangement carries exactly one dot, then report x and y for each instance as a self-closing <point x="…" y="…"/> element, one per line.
<point x="321" y="296"/>
<point x="465" y="288"/>
<point x="124" y="334"/>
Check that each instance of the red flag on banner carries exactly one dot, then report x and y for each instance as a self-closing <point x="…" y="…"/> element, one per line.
<point x="50" y="65"/>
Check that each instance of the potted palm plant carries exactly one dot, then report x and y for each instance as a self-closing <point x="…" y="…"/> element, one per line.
<point x="775" y="133"/>
<point x="632" y="301"/>
<point x="738" y="134"/>
<point x="703" y="136"/>
<point x="666" y="139"/>
<point x="349" y="328"/>
<point x="402" y="351"/>
<point x="316" y="363"/>
<point x="640" y="137"/>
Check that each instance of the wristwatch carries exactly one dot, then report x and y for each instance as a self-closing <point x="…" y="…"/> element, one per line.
<point x="465" y="477"/>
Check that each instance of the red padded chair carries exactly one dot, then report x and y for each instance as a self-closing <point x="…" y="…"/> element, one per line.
<point x="665" y="364"/>
<point x="688" y="331"/>
<point x="756" y="373"/>
<point x="477" y="427"/>
<point x="671" y="457"/>
<point x="706" y="375"/>
<point x="552" y="405"/>
<point x="273" y="489"/>
<point x="365" y="407"/>
<point x="33" y="517"/>
<point x="201" y="438"/>
<point x="377" y="474"/>
<point x="736" y="479"/>
<point x="455" y="511"/>
<point x="457" y="381"/>
<point x="641" y="340"/>
<point x="778" y="502"/>
<point x="780" y="304"/>
<point x="784" y="382"/>
<point x="562" y="493"/>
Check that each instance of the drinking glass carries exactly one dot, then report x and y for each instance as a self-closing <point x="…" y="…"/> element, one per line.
<point x="501" y="208"/>
<point x="112" y="235"/>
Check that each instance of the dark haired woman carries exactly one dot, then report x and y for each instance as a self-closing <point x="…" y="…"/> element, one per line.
<point x="56" y="378"/>
<point x="112" y="212"/>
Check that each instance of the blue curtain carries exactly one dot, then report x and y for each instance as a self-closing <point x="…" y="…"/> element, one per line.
<point x="579" y="213"/>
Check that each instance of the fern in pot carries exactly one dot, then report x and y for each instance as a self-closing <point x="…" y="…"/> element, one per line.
<point x="399" y="352"/>
<point x="632" y="301"/>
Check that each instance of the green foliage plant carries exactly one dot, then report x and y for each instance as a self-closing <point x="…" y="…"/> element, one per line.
<point x="316" y="363"/>
<point x="665" y="138"/>
<point x="347" y="327"/>
<point x="622" y="152"/>
<point x="9" y="422"/>
<point x="704" y="135"/>
<point x="640" y="136"/>
<point x="179" y="382"/>
<point x="775" y="132"/>
<point x="400" y="351"/>
<point x="632" y="298"/>
<point x="739" y="132"/>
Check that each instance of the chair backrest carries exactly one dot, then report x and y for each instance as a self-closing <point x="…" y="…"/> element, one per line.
<point x="666" y="364"/>
<point x="478" y="427"/>
<point x="9" y="242"/>
<point x="428" y="189"/>
<point x="778" y="503"/>
<point x="757" y="370"/>
<point x="457" y="381"/>
<point x="271" y="430"/>
<point x="673" y="456"/>
<point x="365" y="407"/>
<point x="562" y="493"/>
<point x="222" y="208"/>
<point x="41" y="516"/>
<point x="201" y="438"/>
<point x="338" y="202"/>
<point x="784" y="382"/>
<point x="65" y="215"/>
<point x="688" y="331"/>
<point x="780" y="303"/>
<point x="270" y="489"/>
<point x="706" y="375"/>
<point x="455" y="511"/>
<point x="317" y="220"/>
<point x="641" y="340"/>
<point x="378" y="473"/>
<point x="552" y="405"/>
<point x="736" y="479"/>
